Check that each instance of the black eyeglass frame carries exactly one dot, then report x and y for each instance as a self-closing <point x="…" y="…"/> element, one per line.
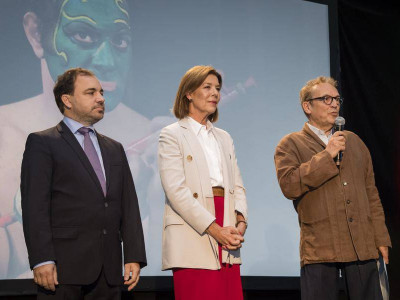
<point x="326" y="98"/>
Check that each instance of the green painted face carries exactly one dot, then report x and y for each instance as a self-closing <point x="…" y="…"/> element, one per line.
<point x="96" y="35"/>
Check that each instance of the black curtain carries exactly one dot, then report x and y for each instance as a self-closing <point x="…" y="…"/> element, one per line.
<point x="369" y="41"/>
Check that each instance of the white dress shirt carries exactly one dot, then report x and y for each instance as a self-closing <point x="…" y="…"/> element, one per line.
<point x="321" y="134"/>
<point x="209" y="144"/>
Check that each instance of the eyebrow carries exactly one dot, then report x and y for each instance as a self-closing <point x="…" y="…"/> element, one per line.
<point x="211" y="83"/>
<point x="93" y="90"/>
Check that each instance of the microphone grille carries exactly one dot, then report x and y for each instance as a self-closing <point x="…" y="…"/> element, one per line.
<point x="340" y="121"/>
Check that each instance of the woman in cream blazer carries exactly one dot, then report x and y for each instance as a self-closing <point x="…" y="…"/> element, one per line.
<point x="205" y="214"/>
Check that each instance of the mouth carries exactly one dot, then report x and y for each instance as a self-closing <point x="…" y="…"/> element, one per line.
<point x="99" y="108"/>
<point x="108" y="86"/>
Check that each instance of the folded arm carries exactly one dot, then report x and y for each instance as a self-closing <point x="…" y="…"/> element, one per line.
<point x="297" y="178"/>
<point x="170" y="160"/>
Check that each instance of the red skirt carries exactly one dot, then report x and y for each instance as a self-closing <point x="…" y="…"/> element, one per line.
<point x="201" y="284"/>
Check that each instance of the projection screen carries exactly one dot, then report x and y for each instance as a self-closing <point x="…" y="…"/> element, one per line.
<point x="265" y="49"/>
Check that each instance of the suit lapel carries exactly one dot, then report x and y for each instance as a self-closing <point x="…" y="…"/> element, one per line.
<point x="200" y="159"/>
<point x="69" y="137"/>
<point x="106" y="158"/>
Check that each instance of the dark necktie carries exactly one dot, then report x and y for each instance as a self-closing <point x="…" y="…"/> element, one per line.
<point x="92" y="156"/>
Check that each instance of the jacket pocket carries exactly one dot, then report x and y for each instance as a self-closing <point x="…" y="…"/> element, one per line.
<point x="173" y="220"/>
<point x="65" y="232"/>
<point x="317" y="240"/>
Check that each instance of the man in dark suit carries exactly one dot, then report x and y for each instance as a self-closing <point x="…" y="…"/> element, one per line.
<point x="79" y="201"/>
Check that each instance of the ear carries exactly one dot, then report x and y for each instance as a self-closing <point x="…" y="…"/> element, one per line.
<point x="31" y="28"/>
<point x="307" y="107"/>
<point x="189" y="96"/>
<point x="66" y="100"/>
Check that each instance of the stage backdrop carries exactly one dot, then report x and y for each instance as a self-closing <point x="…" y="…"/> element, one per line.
<point x="265" y="49"/>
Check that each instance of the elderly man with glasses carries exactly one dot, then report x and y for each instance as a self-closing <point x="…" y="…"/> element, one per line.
<point x="342" y="222"/>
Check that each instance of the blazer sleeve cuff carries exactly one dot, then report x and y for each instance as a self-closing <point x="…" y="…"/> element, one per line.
<point x="201" y="225"/>
<point x="239" y="208"/>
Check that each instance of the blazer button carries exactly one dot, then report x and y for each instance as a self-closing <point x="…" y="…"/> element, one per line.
<point x="348" y="201"/>
<point x="350" y="220"/>
<point x="189" y="158"/>
<point x="104" y="231"/>
<point x="105" y="204"/>
<point x="195" y="195"/>
<point x="345" y="183"/>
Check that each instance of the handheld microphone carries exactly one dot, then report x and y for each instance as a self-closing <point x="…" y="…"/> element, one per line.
<point x="339" y="126"/>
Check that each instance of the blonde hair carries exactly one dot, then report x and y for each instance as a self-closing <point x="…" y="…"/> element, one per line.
<point x="192" y="79"/>
<point x="305" y="92"/>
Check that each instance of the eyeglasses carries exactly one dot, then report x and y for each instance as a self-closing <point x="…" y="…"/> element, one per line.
<point x="328" y="99"/>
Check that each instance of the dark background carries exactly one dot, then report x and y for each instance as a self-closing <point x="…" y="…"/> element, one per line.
<point x="368" y="52"/>
<point x="369" y="35"/>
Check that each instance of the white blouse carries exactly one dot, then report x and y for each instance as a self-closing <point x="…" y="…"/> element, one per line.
<point x="208" y="142"/>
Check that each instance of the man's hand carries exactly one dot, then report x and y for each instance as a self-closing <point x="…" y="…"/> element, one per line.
<point x="229" y="237"/>
<point x="132" y="270"/>
<point x="46" y="276"/>
<point x="385" y="253"/>
<point x="336" y="143"/>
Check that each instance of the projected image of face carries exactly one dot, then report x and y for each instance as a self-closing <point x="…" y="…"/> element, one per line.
<point x="94" y="34"/>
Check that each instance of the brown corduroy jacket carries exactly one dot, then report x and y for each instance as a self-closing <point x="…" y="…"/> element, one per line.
<point x="340" y="213"/>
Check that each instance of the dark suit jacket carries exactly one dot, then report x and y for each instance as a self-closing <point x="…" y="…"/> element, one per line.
<point x="66" y="217"/>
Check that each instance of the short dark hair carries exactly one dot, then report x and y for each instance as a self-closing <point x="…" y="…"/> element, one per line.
<point x="65" y="84"/>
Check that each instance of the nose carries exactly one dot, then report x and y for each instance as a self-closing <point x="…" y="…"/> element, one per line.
<point x="100" y="98"/>
<point x="215" y="91"/>
<point x="103" y="59"/>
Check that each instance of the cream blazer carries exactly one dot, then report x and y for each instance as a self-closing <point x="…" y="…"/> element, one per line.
<point x="189" y="204"/>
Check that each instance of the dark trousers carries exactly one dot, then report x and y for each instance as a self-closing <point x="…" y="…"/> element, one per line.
<point x="98" y="290"/>
<point x="321" y="281"/>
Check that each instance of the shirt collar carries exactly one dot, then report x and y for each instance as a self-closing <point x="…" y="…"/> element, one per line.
<point x="196" y="126"/>
<point x="74" y="125"/>
<point x="318" y="131"/>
